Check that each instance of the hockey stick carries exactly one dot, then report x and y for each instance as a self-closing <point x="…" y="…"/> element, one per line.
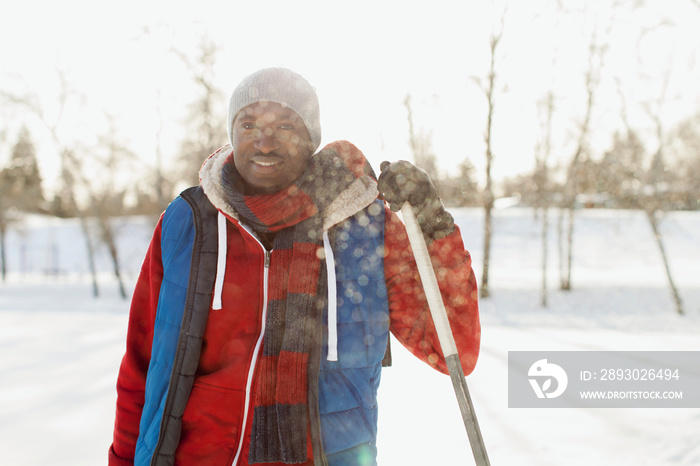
<point x="447" y="341"/>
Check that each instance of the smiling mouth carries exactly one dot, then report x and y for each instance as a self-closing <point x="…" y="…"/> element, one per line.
<point x="265" y="164"/>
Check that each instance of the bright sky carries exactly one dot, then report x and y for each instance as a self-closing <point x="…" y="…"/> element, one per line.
<point x="363" y="57"/>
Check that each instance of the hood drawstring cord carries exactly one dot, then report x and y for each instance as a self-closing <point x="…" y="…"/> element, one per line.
<point x="220" y="263"/>
<point x="332" y="290"/>
<point x="332" y="300"/>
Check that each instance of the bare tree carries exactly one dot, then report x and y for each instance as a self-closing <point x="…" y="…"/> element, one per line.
<point x="654" y="221"/>
<point x="71" y="167"/>
<point x="70" y="163"/>
<point x="161" y="184"/>
<point x="489" y="89"/>
<point x="653" y="194"/>
<point x="596" y="53"/>
<point x="205" y="114"/>
<point x="543" y="150"/>
<point x="106" y="198"/>
<point x="658" y="184"/>
<point x="542" y="153"/>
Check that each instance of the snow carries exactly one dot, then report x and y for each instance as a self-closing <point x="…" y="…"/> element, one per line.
<point x="60" y="348"/>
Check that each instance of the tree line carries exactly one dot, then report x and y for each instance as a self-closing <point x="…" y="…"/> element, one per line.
<point x="646" y="167"/>
<point x="653" y="170"/>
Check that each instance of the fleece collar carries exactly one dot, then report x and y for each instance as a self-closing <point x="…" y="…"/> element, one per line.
<point x="358" y="195"/>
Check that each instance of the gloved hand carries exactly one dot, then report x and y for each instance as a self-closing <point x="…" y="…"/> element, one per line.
<point x="402" y="182"/>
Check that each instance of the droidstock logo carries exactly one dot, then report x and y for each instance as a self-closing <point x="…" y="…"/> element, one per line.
<point x="542" y="373"/>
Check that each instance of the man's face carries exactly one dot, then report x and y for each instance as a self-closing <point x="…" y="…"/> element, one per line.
<point x="271" y="147"/>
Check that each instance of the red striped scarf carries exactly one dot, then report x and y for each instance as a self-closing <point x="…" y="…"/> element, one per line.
<point x="297" y="293"/>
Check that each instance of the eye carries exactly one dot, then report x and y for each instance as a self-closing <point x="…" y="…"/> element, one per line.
<point x="248" y="126"/>
<point x="287" y="127"/>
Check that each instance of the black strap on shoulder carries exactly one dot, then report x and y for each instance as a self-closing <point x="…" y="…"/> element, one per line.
<point x="194" y="320"/>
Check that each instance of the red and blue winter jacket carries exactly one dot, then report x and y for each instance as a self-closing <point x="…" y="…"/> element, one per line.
<point x="186" y="380"/>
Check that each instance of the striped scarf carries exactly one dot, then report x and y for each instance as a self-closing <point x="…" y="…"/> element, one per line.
<point x="297" y="293"/>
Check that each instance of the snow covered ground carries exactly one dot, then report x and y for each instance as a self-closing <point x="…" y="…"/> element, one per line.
<point x="60" y="348"/>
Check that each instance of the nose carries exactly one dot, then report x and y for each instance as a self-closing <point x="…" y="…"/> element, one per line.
<point x="266" y="142"/>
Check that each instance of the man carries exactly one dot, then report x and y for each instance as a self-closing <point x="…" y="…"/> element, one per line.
<point x="260" y="319"/>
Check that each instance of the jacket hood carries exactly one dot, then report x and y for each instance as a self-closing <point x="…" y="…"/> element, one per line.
<point x="358" y="195"/>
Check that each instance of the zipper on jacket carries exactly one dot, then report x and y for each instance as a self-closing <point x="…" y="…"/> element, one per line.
<point x="256" y="351"/>
<point x="323" y="460"/>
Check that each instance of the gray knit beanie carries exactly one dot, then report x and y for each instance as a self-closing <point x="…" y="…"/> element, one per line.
<point x="284" y="87"/>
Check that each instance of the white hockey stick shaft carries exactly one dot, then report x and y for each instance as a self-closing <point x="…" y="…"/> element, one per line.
<point x="444" y="332"/>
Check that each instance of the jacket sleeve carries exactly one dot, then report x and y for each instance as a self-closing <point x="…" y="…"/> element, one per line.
<point x="411" y="322"/>
<point x="131" y="381"/>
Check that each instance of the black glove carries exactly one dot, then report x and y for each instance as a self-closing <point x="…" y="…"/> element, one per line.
<point x="402" y="182"/>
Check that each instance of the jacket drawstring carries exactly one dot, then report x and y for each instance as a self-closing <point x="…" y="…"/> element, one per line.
<point x="332" y="290"/>
<point x="332" y="300"/>
<point x="220" y="263"/>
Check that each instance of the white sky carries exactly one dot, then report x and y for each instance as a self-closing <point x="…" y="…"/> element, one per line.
<point x="363" y="57"/>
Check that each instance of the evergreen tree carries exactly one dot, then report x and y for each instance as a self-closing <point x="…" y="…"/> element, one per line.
<point x="460" y="190"/>
<point x="684" y="148"/>
<point x="6" y="216"/>
<point x="20" y="188"/>
<point x="622" y="169"/>
<point x="23" y="188"/>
